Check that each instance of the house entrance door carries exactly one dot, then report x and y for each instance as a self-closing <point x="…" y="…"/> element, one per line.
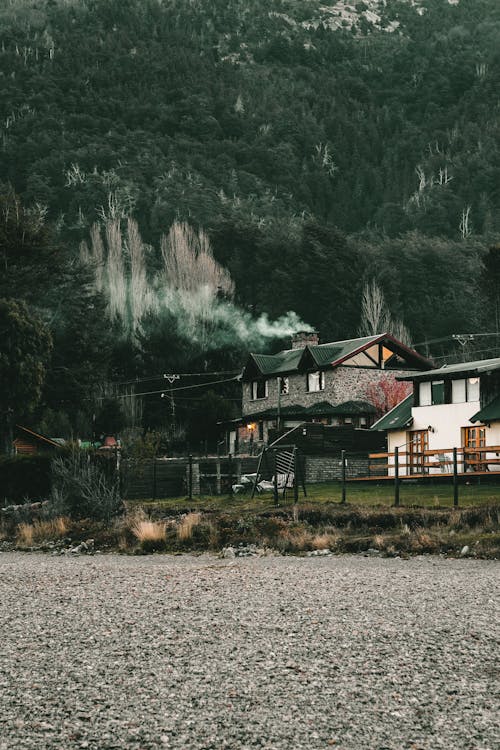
<point x="418" y="443"/>
<point x="474" y="437"/>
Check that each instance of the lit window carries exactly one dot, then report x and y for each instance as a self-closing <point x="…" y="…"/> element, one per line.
<point x="258" y="389"/>
<point x="315" y="382"/>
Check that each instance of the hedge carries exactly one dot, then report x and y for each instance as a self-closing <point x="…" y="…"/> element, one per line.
<point x="24" y="478"/>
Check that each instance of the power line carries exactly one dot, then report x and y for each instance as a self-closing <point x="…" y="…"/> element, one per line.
<point x="181" y="374"/>
<point x="457" y="337"/>
<point x="171" y="391"/>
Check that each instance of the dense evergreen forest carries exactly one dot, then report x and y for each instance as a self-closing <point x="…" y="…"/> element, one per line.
<point x="283" y="156"/>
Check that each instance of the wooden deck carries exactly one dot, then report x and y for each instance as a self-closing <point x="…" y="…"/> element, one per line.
<point x="413" y="477"/>
<point x="443" y="463"/>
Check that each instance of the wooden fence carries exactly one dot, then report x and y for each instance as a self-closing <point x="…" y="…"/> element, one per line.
<point x="178" y="477"/>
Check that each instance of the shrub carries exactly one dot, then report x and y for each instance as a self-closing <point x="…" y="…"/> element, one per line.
<point x="84" y="487"/>
<point x="185" y="527"/>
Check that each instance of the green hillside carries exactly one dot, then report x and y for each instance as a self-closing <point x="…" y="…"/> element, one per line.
<point x="319" y="147"/>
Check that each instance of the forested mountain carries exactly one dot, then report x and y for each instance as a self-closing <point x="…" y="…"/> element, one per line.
<point x="318" y="146"/>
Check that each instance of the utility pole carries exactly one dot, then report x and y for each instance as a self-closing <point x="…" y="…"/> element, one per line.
<point x="171" y="379"/>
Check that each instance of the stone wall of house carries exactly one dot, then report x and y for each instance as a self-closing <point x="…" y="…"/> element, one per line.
<point x="344" y="383"/>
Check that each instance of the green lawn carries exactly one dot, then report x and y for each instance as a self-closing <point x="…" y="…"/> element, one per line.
<point x="433" y="496"/>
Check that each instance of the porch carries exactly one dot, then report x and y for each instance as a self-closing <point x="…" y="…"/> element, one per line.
<point x="408" y="463"/>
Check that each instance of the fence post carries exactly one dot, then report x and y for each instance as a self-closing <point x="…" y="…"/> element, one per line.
<point x="230" y="472"/>
<point x="343" y="475"/>
<point x="154" y="478"/>
<point x="295" y="477"/>
<point x="396" y="476"/>
<point x="217" y="476"/>
<point x="455" y="478"/>
<point x="275" y="486"/>
<point x="190" y="476"/>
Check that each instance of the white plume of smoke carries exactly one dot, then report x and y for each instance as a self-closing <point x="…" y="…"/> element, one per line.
<point x="190" y="286"/>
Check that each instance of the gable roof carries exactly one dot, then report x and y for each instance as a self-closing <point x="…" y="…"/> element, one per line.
<point x="53" y="442"/>
<point x="326" y="355"/>
<point x="460" y="368"/>
<point x="489" y="413"/>
<point x="285" y="361"/>
<point x="397" y="418"/>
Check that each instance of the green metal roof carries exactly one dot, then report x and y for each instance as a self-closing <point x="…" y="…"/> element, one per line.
<point x="354" y="407"/>
<point x="322" y="409"/>
<point x="397" y="418"/>
<point x="348" y="408"/>
<point x="271" y="364"/>
<point x="460" y="368"/>
<point x="326" y="354"/>
<point x="272" y="413"/>
<point x="489" y="413"/>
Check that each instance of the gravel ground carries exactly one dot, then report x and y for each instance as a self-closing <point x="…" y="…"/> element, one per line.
<point x="274" y="652"/>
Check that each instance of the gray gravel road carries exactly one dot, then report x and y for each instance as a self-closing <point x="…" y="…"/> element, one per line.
<point x="275" y="652"/>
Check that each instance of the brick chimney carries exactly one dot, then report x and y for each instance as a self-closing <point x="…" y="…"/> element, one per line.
<point x="300" y="339"/>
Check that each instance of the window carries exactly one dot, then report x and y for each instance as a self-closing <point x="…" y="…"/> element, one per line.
<point x="425" y="394"/>
<point x="464" y="390"/>
<point x="315" y="382"/>
<point x="433" y="393"/>
<point x="458" y="392"/>
<point x="473" y="389"/>
<point x="437" y="391"/>
<point x="258" y="389"/>
<point x="284" y="386"/>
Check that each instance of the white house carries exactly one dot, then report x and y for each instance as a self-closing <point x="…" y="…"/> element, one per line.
<point x="455" y="406"/>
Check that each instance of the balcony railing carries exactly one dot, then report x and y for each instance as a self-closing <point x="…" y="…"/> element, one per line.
<point x="437" y="462"/>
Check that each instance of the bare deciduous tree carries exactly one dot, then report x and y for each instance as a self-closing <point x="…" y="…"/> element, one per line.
<point x="376" y="316"/>
<point x="465" y="225"/>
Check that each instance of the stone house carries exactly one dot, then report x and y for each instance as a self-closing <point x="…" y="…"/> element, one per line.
<point x="312" y="382"/>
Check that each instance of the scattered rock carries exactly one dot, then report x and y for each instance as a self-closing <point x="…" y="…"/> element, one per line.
<point x="464" y="551"/>
<point x="272" y="652"/>
<point x="371" y="552"/>
<point x="319" y="552"/>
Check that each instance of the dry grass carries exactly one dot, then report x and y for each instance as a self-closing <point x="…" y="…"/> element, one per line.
<point x="423" y="541"/>
<point x="379" y="541"/>
<point x="327" y="540"/>
<point x="56" y="527"/>
<point x="40" y="531"/>
<point x="25" y="535"/>
<point x="291" y="540"/>
<point x="186" y="526"/>
<point x="145" y="530"/>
